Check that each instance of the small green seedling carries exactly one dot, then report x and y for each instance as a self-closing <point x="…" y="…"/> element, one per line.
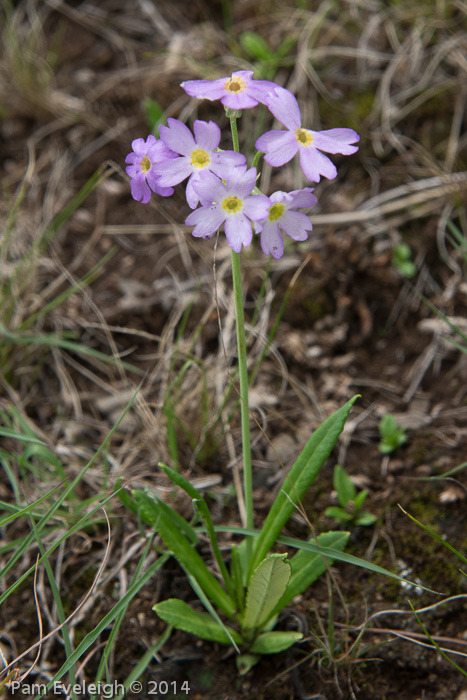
<point x="349" y="510"/>
<point x="401" y="258"/>
<point x="392" y="436"/>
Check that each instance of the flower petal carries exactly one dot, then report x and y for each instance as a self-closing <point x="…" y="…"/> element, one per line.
<point x="295" y="224"/>
<point x="262" y="89"/>
<point x="301" y="199"/>
<point x="206" y="220"/>
<point x="140" y="146"/>
<point x="238" y="231"/>
<point x="314" y="164"/>
<point x="133" y="158"/>
<point x="279" y="147"/>
<point x="256" y="206"/>
<point x="156" y="186"/>
<point x="134" y="170"/>
<point x="272" y="242"/>
<point x="208" y="187"/>
<point x="177" y="137"/>
<point x="192" y="196"/>
<point x="242" y="100"/>
<point x="284" y="107"/>
<point x="159" y="152"/>
<point x="245" y="75"/>
<point x="336" y="141"/>
<point x="140" y="189"/>
<point x="242" y="182"/>
<point x="205" y="89"/>
<point x="207" y="135"/>
<point x="224" y="163"/>
<point x="171" y="172"/>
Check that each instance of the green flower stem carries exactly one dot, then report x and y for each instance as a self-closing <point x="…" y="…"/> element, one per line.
<point x="243" y="375"/>
<point x="242" y="369"/>
<point x="256" y="159"/>
<point x="233" y="129"/>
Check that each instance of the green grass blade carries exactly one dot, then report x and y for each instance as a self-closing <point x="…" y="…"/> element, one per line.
<point x="211" y="610"/>
<point x="91" y="637"/>
<point x="85" y="281"/>
<point x="435" y="536"/>
<point x="435" y="644"/>
<point x="19" y="512"/>
<point x="327" y="552"/>
<point x="53" y="340"/>
<point x="143" y="663"/>
<point x="308" y="566"/>
<point x="10" y="433"/>
<point x="58" y="602"/>
<point x="194" y="494"/>
<point x="119" y="620"/>
<point x="56" y="505"/>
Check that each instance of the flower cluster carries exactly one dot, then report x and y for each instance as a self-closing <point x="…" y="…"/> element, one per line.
<point x="221" y="182"/>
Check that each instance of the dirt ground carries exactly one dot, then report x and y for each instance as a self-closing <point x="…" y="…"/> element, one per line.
<point x="74" y="79"/>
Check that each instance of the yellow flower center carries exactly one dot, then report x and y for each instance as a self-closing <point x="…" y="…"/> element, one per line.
<point x="232" y="205"/>
<point x="145" y="164"/>
<point x="303" y="137"/>
<point x="200" y="159"/>
<point x="276" y="212"/>
<point x="235" y="85"/>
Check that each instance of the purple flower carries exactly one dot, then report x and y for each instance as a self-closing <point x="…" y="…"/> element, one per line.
<point x="239" y="91"/>
<point x="283" y="218"/>
<point x="281" y="146"/>
<point x="197" y="156"/>
<point x="142" y="160"/>
<point x="231" y="203"/>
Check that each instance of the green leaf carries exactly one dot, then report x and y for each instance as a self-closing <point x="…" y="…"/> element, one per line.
<point x="149" y="509"/>
<point x="346" y="490"/>
<point x="245" y="662"/>
<point x="338" y="514"/>
<point x="266" y="587"/>
<point x="386" y="447"/>
<point x="255" y="46"/>
<point x="273" y="642"/>
<point x="392" y="436"/>
<point x="286" y="46"/>
<point x="300" y="477"/>
<point x="179" y="614"/>
<point x="189" y="558"/>
<point x="360" y="499"/>
<point x="365" y="519"/>
<point x="183" y="483"/>
<point x="387" y="426"/>
<point x="308" y="566"/>
<point x="153" y="113"/>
